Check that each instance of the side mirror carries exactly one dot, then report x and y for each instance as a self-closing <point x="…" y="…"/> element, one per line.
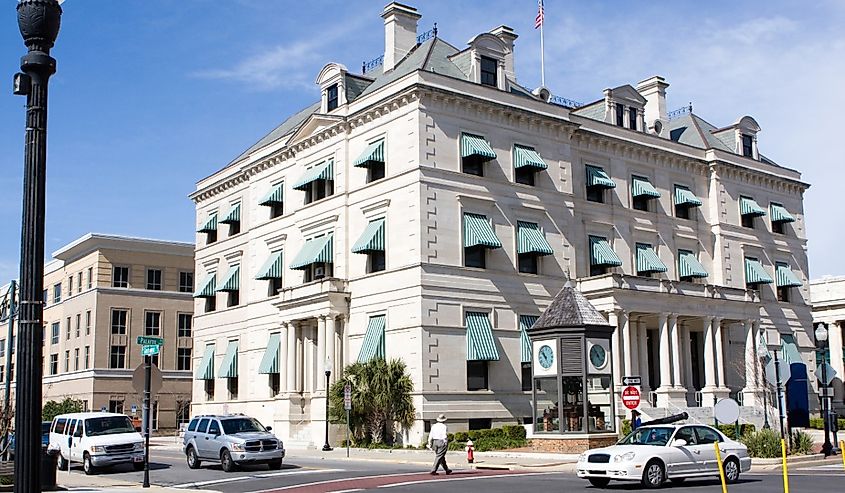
<point x="269" y="428"/>
<point x="679" y="442"/>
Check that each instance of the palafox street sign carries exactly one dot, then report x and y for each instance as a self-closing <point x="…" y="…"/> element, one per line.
<point x="150" y="341"/>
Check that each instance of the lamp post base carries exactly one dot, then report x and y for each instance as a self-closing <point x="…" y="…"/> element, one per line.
<point x="327" y="448"/>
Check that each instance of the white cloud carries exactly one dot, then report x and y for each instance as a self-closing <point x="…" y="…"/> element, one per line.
<point x="283" y="65"/>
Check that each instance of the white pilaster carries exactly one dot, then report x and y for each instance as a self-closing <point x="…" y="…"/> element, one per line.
<point x="283" y="358"/>
<point x="320" y="359"/>
<point x="330" y="355"/>
<point x="290" y="359"/>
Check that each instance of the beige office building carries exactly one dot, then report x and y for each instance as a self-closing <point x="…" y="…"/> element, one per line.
<point x="101" y="292"/>
<point x="430" y="208"/>
<point x="828" y="297"/>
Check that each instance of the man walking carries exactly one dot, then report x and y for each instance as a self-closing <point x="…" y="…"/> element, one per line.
<point x="438" y="442"/>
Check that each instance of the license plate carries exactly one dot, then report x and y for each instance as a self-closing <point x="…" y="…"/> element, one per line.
<point x="137" y="459"/>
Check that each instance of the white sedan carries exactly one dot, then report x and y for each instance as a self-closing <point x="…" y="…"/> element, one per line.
<point x="653" y="454"/>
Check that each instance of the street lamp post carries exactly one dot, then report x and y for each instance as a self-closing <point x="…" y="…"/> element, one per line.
<point x="821" y="340"/>
<point x="328" y="368"/>
<point x="39" y="22"/>
<point x="762" y="352"/>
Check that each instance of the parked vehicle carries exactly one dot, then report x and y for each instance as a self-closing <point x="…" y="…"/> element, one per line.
<point x="45" y="438"/>
<point x="655" y="454"/>
<point x="96" y="440"/>
<point x="233" y="440"/>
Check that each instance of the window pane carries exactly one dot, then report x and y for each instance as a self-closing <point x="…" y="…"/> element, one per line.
<point x="547" y="416"/>
<point x="600" y="399"/>
<point x="488" y="71"/>
<point x="476" y="375"/>
<point x="572" y="405"/>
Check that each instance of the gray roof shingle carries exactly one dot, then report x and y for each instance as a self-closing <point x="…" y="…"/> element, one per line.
<point x="569" y="308"/>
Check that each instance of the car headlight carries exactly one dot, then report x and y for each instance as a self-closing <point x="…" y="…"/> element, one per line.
<point x="582" y="457"/>
<point x="138" y="447"/>
<point x="237" y="447"/>
<point x="627" y="456"/>
<point x="97" y="449"/>
<point x="280" y="445"/>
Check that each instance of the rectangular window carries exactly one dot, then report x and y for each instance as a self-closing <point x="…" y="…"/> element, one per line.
<point x="116" y="406"/>
<point x="186" y="282"/>
<point x="2" y="348"/>
<point x="526" y="376"/>
<point x="318" y="190"/>
<point x="595" y="194"/>
<point x="747" y="146"/>
<point x="747" y="221"/>
<point x="2" y="373"/>
<point x="376" y="261"/>
<point x="331" y="97"/>
<point x="233" y="298"/>
<point x="76" y="359"/>
<point x="477" y="375"/>
<point x="275" y="286"/>
<point x="525" y="175"/>
<point x="210" y="237"/>
<point x="70" y="285"/>
<point x="152" y="323"/>
<point x="57" y="293"/>
<point x="277" y="210"/>
<point x="117" y="357"/>
<point x="480" y="423"/>
<point x="45" y="297"/>
<point x="54" y="333"/>
<point x="79" y="283"/>
<point x="682" y="211"/>
<point x="475" y="256"/>
<point x="184" y="320"/>
<point x="620" y="115"/>
<point x="210" y="304"/>
<point x="375" y="171"/>
<point x="528" y="263"/>
<point x="54" y="364"/>
<point x="640" y="202"/>
<point x="632" y="118"/>
<point x="183" y="413"/>
<point x="232" y="386"/>
<point x="154" y="360"/>
<point x="120" y="277"/>
<point x="87" y="357"/>
<point x="275" y="384"/>
<point x="489" y="68"/>
<point x="318" y="271"/>
<point x="777" y="227"/>
<point x="88" y="323"/>
<point x="598" y="270"/>
<point x="90" y="277"/>
<point x="209" y="390"/>
<point x="78" y="324"/>
<point x="183" y="358"/>
<point x="118" y="321"/>
<point x="154" y="279"/>
<point x="67" y="329"/>
<point x="472" y="165"/>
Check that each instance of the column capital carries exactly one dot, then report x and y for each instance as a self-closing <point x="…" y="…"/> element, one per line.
<point x="708" y="319"/>
<point x="662" y="317"/>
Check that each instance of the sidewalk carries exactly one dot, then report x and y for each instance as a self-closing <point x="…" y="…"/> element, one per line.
<point x="80" y="482"/>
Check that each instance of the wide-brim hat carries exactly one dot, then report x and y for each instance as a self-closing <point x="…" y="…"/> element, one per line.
<point x="441" y="418"/>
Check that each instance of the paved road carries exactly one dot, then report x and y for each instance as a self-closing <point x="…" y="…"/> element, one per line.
<point x="314" y="475"/>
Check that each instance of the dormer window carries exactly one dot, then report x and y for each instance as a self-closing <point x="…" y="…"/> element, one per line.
<point x="620" y="115"/>
<point x="489" y="66"/>
<point x="747" y="146"/>
<point x="331" y="97"/>
<point x="632" y="118"/>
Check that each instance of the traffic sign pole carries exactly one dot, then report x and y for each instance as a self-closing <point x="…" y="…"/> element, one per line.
<point x="347" y="404"/>
<point x="147" y="377"/>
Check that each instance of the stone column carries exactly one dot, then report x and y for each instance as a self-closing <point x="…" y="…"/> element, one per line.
<point x="676" y="353"/>
<point x="710" y="392"/>
<point x="331" y="334"/>
<point x="635" y="345"/>
<point x="749" y="393"/>
<point x="291" y="362"/>
<point x="719" y="336"/>
<point x="642" y="334"/>
<point x="617" y="350"/>
<point x="686" y="351"/>
<point x="625" y="326"/>
<point x="835" y="330"/>
<point x="320" y="360"/>
<point x="663" y="397"/>
<point x="283" y="358"/>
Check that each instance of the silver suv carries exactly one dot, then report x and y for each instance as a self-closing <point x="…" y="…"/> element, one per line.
<point x="233" y="440"/>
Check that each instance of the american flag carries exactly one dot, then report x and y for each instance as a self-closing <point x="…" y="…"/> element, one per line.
<point x="538" y="22"/>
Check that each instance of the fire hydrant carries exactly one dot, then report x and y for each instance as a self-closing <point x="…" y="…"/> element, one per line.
<point x="469" y="449"/>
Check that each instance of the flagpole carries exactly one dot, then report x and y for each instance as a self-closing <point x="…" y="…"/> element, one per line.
<point x="542" y="60"/>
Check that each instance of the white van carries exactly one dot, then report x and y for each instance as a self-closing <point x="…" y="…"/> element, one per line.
<point x="96" y="440"/>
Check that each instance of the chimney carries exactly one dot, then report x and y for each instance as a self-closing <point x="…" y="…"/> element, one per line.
<point x="507" y="36"/>
<point x="653" y="90"/>
<point x="400" y="32"/>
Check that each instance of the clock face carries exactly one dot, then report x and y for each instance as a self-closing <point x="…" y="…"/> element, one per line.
<point x="598" y="356"/>
<point x="546" y="357"/>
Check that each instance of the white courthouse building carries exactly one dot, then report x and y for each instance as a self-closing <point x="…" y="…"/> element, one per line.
<point x="430" y="208"/>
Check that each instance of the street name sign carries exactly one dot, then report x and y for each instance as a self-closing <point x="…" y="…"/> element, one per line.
<point x="150" y="341"/>
<point x="347" y="397"/>
<point x="150" y="350"/>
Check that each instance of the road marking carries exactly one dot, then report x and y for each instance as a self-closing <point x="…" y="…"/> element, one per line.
<point x="329" y="481"/>
<point x="252" y="476"/>
<point x="470" y="478"/>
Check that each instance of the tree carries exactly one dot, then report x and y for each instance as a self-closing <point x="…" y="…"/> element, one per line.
<point x="52" y="409"/>
<point x="381" y="398"/>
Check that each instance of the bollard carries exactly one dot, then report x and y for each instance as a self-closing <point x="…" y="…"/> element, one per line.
<point x="842" y="451"/>
<point x="721" y="467"/>
<point x="785" y="476"/>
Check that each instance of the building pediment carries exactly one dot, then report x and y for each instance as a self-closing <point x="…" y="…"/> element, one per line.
<point x="313" y="125"/>
<point x="628" y="94"/>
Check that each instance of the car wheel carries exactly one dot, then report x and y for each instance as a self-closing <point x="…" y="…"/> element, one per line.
<point x="193" y="459"/>
<point x="227" y="462"/>
<point x="87" y="466"/>
<point x="62" y="463"/>
<point x="731" y="470"/>
<point x="654" y="474"/>
<point x="599" y="482"/>
<point x="274" y="465"/>
<point x="138" y="466"/>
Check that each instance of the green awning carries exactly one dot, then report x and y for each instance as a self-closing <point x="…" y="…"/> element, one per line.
<point x="683" y="196"/>
<point x="276" y="195"/>
<point x="689" y="266"/>
<point x="210" y="225"/>
<point x="601" y="253"/>
<point x="374" y="153"/>
<point x="647" y="259"/>
<point x="596" y="177"/>
<point x="208" y="286"/>
<point x="525" y="323"/>
<point x="233" y="215"/>
<point x="531" y="240"/>
<point x="640" y="187"/>
<point x="755" y="273"/>
<point x="270" y="361"/>
<point x="229" y="367"/>
<point x="315" y="251"/>
<point x="527" y="157"/>
<point x="205" y="370"/>
<point x="272" y="268"/>
<point x="233" y="280"/>
<point x="481" y="345"/>
<point x="789" y="352"/>
<point x="479" y="232"/>
<point x="372" y="239"/>
<point x="748" y="207"/>
<point x="785" y="277"/>
<point x="475" y="145"/>
<point x="322" y="171"/>
<point x="780" y="214"/>
<point x="373" y="345"/>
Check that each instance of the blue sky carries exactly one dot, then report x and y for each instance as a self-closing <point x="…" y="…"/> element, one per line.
<point x="152" y="95"/>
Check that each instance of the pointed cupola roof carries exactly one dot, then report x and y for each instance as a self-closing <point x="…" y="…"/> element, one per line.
<point x="570" y="309"/>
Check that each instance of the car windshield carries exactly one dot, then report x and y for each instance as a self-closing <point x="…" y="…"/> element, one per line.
<point x="240" y="425"/>
<point x="108" y="425"/>
<point x="657" y="435"/>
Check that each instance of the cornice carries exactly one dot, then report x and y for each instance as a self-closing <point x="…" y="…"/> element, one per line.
<point x="727" y="170"/>
<point x="642" y="153"/>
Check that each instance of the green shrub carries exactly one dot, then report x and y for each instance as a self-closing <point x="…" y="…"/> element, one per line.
<point x="514" y="432"/>
<point x="802" y="443"/>
<point x="730" y="430"/>
<point x="763" y="443"/>
<point x="460" y="436"/>
<point x="818" y="423"/>
<point x="626" y="427"/>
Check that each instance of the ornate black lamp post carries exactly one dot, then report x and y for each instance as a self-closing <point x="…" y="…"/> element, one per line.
<point x="762" y="352"/>
<point x="39" y="22"/>
<point x="821" y="340"/>
<point x="326" y="446"/>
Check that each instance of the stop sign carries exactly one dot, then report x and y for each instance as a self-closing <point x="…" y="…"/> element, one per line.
<point x="631" y="397"/>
